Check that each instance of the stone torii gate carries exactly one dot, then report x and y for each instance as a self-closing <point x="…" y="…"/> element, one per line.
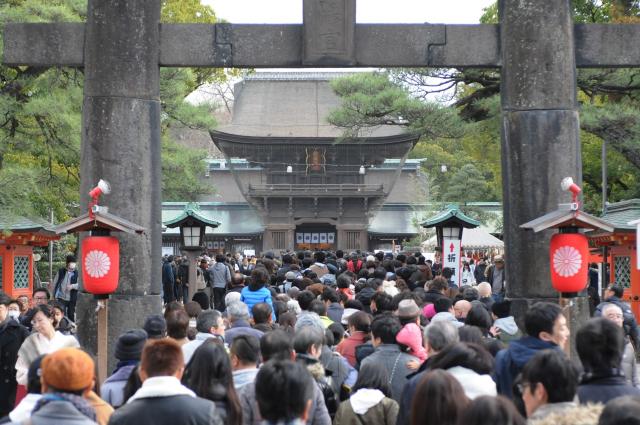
<point x="122" y="46"/>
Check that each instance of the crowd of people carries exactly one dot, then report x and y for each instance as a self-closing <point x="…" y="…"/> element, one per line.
<point x="324" y="338"/>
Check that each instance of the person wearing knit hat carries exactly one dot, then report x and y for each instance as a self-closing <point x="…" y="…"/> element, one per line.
<point x="156" y="326"/>
<point x="128" y="351"/>
<point x="130" y="345"/>
<point x="411" y="335"/>
<point x="67" y="375"/>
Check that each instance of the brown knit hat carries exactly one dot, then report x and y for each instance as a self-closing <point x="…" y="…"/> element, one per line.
<point x="68" y="369"/>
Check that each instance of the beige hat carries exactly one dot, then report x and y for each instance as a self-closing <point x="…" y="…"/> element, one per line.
<point x="408" y="309"/>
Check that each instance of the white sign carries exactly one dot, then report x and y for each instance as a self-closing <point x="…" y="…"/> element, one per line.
<point x="637" y="224"/>
<point x="331" y="237"/>
<point x="249" y="252"/>
<point x="167" y="250"/>
<point x="451" y="258"/>
<point x="299" y="237"/>
<point x="307" y="238"/>
<point x="315" y="237"/>
<point x="323" y="238"/>
<point x="637" y="246"/>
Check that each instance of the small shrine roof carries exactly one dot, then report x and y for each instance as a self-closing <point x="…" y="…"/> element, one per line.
<point x="451" y="214"/>
<point x="191" y="210"/>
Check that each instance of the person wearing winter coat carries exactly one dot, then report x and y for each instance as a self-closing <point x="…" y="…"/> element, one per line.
<point x="600" y="345"/>
<point x="308" y="343"/>
<point x="128" y="352"/>
<point x="546" y="328"/>
<point x="435" y="290"/>
<point x="471" y="365"/>
<point x="613" y="295"/>
<point x="370" y="402"/>
<point x="162" y="399"/>
<point x="384" y="330"/>
<point x="44" y="340"/>
<point x="549" y="385"/>
<point x="614" y="313"/>
<point x="65" y="288"/>
<point x="359" y="324"/>
<point x="445" y="312"/>
<point x="257" y="291"/>
<point x="12" y="335"/>
<point x="505" y="322"/>
<point x="67" y="377"/>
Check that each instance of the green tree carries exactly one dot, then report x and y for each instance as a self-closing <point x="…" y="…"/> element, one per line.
<point x="609" y="99"/>
<point x="40" y="118"/>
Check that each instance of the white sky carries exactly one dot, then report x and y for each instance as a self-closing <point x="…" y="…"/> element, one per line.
<point x="371" y="11"/>
<point x="367" y="11"/>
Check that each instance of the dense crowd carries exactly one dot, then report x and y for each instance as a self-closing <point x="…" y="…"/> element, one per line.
<point x="323" y="338"/>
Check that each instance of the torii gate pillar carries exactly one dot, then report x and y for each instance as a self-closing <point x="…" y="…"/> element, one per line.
<point x="121" y="144"/>
<point x="540" y="135"/>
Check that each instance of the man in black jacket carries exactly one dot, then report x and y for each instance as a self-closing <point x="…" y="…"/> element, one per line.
<point x="162" y="399"/>
<point x="12" y="335"/>
<point x="613" y="295"/>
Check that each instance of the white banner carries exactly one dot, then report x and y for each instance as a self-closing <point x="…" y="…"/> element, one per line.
<point x="451" y="258"/>
<point x="315" y="237"/>
<point x="215" y="244"/>
<point x="307" y="238"/>
<point x="331" y="237"/>
<point x="299" y="237"/>
<point x="323" y="238"/>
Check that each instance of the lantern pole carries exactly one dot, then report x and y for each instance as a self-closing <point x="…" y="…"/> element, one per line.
<point x="102" y="310"/>
<point x="103" y="344"/>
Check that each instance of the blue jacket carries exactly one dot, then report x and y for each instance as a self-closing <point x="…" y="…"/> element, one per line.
<point x="251" y="298"/>
<point x="510" y="361"/>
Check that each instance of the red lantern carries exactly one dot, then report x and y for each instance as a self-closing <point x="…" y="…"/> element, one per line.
<point x="100" y="264"/>
<point x="569" y="254"/>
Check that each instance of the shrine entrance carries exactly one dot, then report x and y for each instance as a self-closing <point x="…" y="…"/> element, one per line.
<point x="315" y="236"/>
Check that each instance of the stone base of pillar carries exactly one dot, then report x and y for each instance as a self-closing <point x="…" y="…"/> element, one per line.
<point x="125" y="312"/>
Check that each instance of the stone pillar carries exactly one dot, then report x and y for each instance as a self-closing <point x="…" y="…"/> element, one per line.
<point x="121" y="144"/>
<point x="540" y="135"/>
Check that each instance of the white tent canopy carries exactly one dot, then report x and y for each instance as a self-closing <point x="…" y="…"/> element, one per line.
<point x="477" y="238"/>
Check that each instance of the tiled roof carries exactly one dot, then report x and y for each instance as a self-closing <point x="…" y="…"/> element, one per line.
<point x="10" y="222"/>
<point x="236" y="219"/>
<point x="451" y="213"/>
<point x="619" y="214"/>
<point x="394" y="219"/>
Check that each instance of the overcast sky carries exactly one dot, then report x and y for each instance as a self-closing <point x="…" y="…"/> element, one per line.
<point x="367" y="11"/>
<point x="372" y="11"/>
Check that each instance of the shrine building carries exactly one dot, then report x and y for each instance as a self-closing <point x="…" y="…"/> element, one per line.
<point x="286" y="179"/>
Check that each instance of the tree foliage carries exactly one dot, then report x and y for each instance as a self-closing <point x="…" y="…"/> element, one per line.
<point x="41" y="118"/>
<point x="610" y="112"/>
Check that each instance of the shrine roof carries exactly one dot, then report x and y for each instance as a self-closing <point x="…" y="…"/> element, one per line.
<point x="191" y="210"/>
<point x="290" y="104"/>
<point x="619" y="214"/>
<point x="394" y="220"/>
<point x="452" y="214"/>
<point x="18" y="224"/>
<point x="234" y="219"/>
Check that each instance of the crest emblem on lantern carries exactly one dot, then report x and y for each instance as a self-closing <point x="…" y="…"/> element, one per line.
<point x="567" y="261"/>
<point x="97" y="263"/>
